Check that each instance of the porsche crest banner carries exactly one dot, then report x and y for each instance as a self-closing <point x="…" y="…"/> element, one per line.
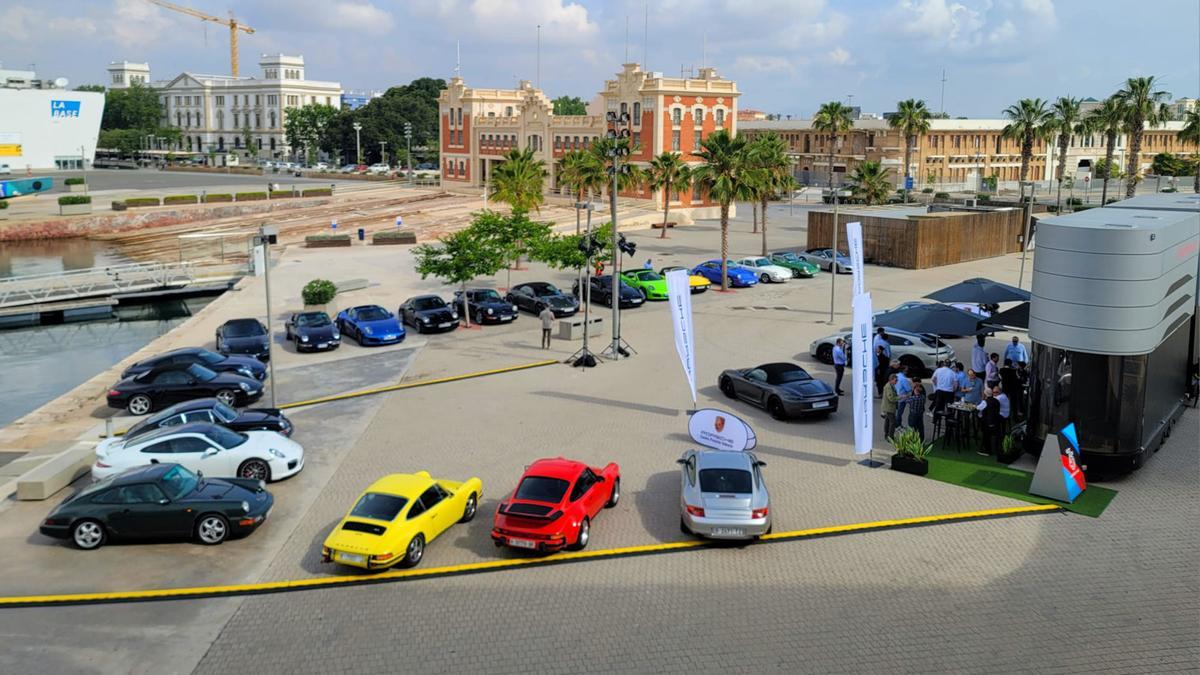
<point x="679" y="297"/>
<point x="854" y="239"/>
<point x="861" y="374"/>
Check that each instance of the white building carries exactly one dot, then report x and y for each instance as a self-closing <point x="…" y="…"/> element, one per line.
<point x="216" y="112"/>
<point x="45" y="126"/>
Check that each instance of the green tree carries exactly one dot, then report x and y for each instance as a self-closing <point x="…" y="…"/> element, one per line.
<point x="562" y="252"/>
<point x="726" y="177"/>
<point x="1190" y="133"/>
<point x="1144" y="107"/>
<point x="125" y="141"/>
<point x="460" y="257"/>
<point x="569" y="105"/>
<point x="871" y="183"/>
<point x="248" y="141"/>
<point x="581" y="172"/>
<point x="309" y="128"/>
<point x="1067" y="121"/>
<point x="98" y="88"/>
<point x="1108" y="119"/>
<point x="134" y="107"/>
<point x="770" y="173"/>
<point x="1028" y="121"/>
<point x="669" y="173"/>
<point x="383" y="118"/>
<point x="518" y="181"/>
<point x="514" y="234"/>
<point x="834" y="119"/>
<point x="912" y="121"/>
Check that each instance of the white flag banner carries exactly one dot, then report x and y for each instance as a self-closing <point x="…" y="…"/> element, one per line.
<point x="679" y="297"/>
<point x="854" y="239"/>
<point x="861" y="375"/>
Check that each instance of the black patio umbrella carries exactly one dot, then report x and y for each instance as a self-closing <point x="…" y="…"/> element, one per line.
<point x="1017" y="317"/>
<point x="980" y="290"/>
<point x="933" y="318"/>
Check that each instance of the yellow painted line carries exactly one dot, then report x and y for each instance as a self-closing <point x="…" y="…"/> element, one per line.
<point x="493" y="565"/>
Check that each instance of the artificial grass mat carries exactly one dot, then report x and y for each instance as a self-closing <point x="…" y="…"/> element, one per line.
<point x="985" y="474"/>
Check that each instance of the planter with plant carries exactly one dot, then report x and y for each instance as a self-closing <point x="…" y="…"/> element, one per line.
<point x="911" y="452"/>
<point x="3" y="204"/>
<point x="318" y="192"/>
<point x="74" y="205"/>
<point x="134" y="202"/>
<point x="210" y="199"/>
<point x="394" y="237"/>
<point x="927" y="191"/>
<point x="250" y="196"/>
<point x="318" y="293"/>
<point x="283" y="194"/>
<point x="1010" y="450"/>
<point x="75" y="184"/>
<point x="326" y="240"/>
<point x="941" y="195"/>
<point x="179" y="199"/>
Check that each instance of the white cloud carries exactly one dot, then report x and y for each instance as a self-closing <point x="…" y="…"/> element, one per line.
<point x="839" y="57"/>
<point x="512" y="21"/>
<point x="767" y="64"/>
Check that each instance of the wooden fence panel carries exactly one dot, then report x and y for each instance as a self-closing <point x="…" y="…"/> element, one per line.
<point x="924" y="241"/>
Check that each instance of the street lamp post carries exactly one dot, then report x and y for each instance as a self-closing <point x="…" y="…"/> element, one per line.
<point x="833" y="263"/>
<point x="266" y="235"/>
<point x="620" y="131"/>
<point x="357" y="142"/>
<point x="383" y="152"/>
<point x="1028" y="222"/>
<point x="408" y="140"/>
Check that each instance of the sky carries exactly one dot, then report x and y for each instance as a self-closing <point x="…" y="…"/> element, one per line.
<point x="787" y="56"/>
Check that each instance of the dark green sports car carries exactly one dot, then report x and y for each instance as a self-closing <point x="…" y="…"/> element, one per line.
<point x="160" y="501"/>
<point x="800" y="268"/>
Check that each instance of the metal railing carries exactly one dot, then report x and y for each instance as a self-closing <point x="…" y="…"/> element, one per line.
<point x="98" y="281"/>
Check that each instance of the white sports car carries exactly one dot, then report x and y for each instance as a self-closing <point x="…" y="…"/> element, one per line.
<point x="202" y="446"/>
<point x="766" y="270"/>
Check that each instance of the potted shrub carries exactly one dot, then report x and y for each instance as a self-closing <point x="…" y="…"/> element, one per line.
<point x="143" y="201"/>
<point x="927" y="191"/>
<point x="394" y="237"/>
<point x="250" y="196"/>
<point x="326" y="240"/>
<point x="911" y="452"/>
<point x="1010" y="450"/>
<point x="318" y="293"/>
<point x="74" y="205"/>
<point x="75" y="185"/>
<point x="941" y="195"/>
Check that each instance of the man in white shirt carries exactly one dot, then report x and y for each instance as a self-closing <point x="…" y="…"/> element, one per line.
<point x="945" y="381"/>
<point x="880" y="340"/>
<point x="979" y="356"/>
<point x="1016" y="352"/>
<point x="1000" y="397"/>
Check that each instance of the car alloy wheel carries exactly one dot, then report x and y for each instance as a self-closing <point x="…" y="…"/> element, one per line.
<point x="825" y="353"/>
<point x="140" y="405"/>
<point x="585" y="535"/>
<point x="255" y="469"/>
<point x="776" y="409"/>
<point x="727" y="387"/>
<point x="765" y="278"/>
<point x="88" y="535"/>
<point x="479" y="318"/>
<point x="470" y="509"/>
<point x="415" y="551"/>
<point x="212" y="529"/>
<point x="615" y="496"/>
<point x="227" y="397"/>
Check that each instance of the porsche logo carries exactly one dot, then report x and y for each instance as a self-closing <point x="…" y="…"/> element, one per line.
<point x="719" y="423"/>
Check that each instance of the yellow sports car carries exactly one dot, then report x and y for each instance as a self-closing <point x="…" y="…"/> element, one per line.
<point x="696" y="283"/>
<point x="393" y="521"/>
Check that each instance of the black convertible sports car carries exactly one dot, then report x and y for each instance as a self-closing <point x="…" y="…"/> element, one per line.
<point x="428" y="314"/>
<point x="312" y="331"/>
<point x="171" y="384"/>
<point x="244" y="336"/>
<point x="783" y="389"/>
<point x="601" y="292"/>
<point x="242" y="365"/>
<point x="160" y="500"/>
<point x="212" y="410"/>
<point x="484" y="305"/>
<point x="535" y="296"/>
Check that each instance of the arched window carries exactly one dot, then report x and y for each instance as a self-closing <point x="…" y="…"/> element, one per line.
<point x="272" y="118"/>
<point x="220" y="142"/>
<point x="221" y="119"/>
<point x="637" y="113"/>
<point x="720" y="115"/>
<point x="178" y="118"/>
<point x="272" y="145"/>
<point x="698" y="115"/>
<point x="237" y="141"/>
<point x="624" y="108"/>
<point x="677" y="116"/>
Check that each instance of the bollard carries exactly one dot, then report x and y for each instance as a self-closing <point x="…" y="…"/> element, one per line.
<point x="108" y="427"/>
<point x="362" y="234"/>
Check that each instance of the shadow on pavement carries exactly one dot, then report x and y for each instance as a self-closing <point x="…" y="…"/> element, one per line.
<point x="613" y="403"/>
<point x="658" y="506"/>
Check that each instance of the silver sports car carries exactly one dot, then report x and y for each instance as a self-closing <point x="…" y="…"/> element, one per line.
<point x="722" y="495"/>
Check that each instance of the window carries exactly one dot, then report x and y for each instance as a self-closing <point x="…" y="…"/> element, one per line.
<point x="219" y="100"/>
<point x="220" y="119"/>
<point x="576" y="143"/>
<point x="624" y="108"/>
<point x="870" y="140"/>
<point x="734" y="481"/>
<point x="293" y="100"/>
<point x="235" y="121"/>
<point x="637" y="113"/>
<point x="720" y="114"/>
<point x="584" y="483"/>
<point x="328" y="101"/>
<point x="698" y="116"/>
<point x="272" y="99"/>
<point x="696" y="140"/>
<point x="697" y="194"/>
<point x="271" y="117"/>
<point x="142" y="493"/>
<point x="178" y="100"/>
<point x="272" y="140"/>
<point x="558" y="142"/>
<point x="189" y="445"/>
<point x="675" y="141"/>
<point x="116" y="78"/>
<point x="677" y="116"/>
<point x="433" y="496"/>
<point x="257" y="120"/>
<point x="508" y="111"/>
<point x="462" y="168"/>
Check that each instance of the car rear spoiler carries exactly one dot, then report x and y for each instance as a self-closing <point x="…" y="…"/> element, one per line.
<point x="506" y="510"/>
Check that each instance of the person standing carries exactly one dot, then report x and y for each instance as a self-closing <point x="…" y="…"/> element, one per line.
<point x="888" y="408"/>
<point x="992" y="371"/>
<point x="944" y="384"/>
<point x="647" y="265"/>
<point x="979" y="356"/>
<point x="880" y="341"/>
<point x="1016" y="352"/>
<point x="903" y="389"/>
<point x="1019" y="394"/>
<point x="991" y="422"/>
<point x="1005" y="405"/>
<point x="960" y="376"/>
<point x="881" y="370"/>
<point x="547" y="317"/>
<point x="916" y="410"/>
<point x="839" y="365"/>
<point x="1008" y="378"/>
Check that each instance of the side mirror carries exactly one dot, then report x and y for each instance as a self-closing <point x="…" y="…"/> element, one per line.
<point x="599" y="479"/>
<point x="681" y="461"/>
<point x="164" y="501"/>
<point x="209" y="452"/>
<point x="760" y="463"/>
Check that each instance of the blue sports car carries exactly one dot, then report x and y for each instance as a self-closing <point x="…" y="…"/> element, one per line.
<point x="370" y="325"/>
<point x="738" y="275"/>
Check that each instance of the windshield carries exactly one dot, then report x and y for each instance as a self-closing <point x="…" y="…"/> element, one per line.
<point x="226" y="438"/>
<point x="761" y="262"/>
<point x="179" y="482"/>
<point x="372" y="314"/>
<point x="210" y="357"/>
<point x="487" y="296"/>
<point x="312" y="320"/>
<point x="789" y="256"/>
<point x="542" y="489"/>
<point x="201" y="373"/>
<point x="544" y="290"/>
<point x="243" y="328"/>
<point x="797" y="375"/>
<point x="378" y="506"/>
<point x="224" y="412"/>
<point x="424" y="304"/>
<point x="725" y="480"/>
<point x="649" y="276"/>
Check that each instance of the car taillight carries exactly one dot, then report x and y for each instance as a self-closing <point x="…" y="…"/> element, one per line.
<point x="113" y="392"/>
<point x="383" y="556"/>
<point x="759" y="513"/>
<point x="697" y="511"/>
<point x="102" y="465"/>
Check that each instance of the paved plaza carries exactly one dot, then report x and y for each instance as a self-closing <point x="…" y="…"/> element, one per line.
<point x="1042" y="593"/>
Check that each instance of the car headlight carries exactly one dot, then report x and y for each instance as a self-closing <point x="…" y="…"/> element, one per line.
<point x="245" y="507"/>
<point x="337" y="335"/>
<point x="368" y="331"/>
<point x="490" y="312"/>
<point x="453" y="315"/>
<point x="304" y="338"/>
<point x="244" y="386"/>
<point x="245" y="371"/>
<point x="514" y="308"/>
<point x="277" y="453"/>
<point x="424" y="319"/>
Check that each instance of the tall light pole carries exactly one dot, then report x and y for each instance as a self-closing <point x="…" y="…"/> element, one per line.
<point x="833" y="264"/>
<point x="357" y="143"/>
<point x="383" y="152"/>
<point x="618" y="133"/>
<point x="266" y="235"/>
<point x="408" y="139"/>
<point x="1028" y="222"/>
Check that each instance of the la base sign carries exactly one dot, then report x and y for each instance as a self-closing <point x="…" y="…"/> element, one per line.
<point x="721" y="430"/>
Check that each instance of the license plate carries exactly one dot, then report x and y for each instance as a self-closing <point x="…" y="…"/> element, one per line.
<point x="728" y="531"/>
<point x="322" y="345"/>
<point x="351" y="558"/>
<point x="522" y="543"/>
<point x="444" y="325"/>
<point x="506" y="318"/>
<point x="821" y="404"/>
<point x="637" y="302"/>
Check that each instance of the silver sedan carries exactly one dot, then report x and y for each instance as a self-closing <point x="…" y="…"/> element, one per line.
<point x="722" y="495"/>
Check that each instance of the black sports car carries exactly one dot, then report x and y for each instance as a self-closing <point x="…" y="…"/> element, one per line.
<point x="170" y="384"/>
<point x="244" y="336"/>
<point x="160" y="500"/>
<point x="212" y="410"/>
<point x="535" y="296"/>
<point x="312" y="331"/>
<point x="428" y="314"/>
<point x="484" y="305"/>
<point x="242" y="365"/>
<point x="783" y="389"/>
<point x="601" y="292"/>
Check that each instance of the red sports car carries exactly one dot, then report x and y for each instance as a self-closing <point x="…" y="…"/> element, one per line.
<point x="553" y="505"/>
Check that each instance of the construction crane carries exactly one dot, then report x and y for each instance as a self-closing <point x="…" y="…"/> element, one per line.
<point x="233" y="24"/>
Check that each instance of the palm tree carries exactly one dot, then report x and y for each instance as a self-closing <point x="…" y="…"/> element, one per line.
<point x="768" y="159"/>
<point x="1029" y="120"/>
<point x="1068" y="120"/>
<point x="519" y="180"/>
<point x="871" y="183"/>
<point x="833" y="118"/>
<point x="1143" y="107"/>
<point x="670" y="174"/>
<point x="1190" y="133"/>
<point x="1108" y="119"/>
<point x="912" y="120"/>
<point x="581" y="172"/>
<point x="725" y="177"/>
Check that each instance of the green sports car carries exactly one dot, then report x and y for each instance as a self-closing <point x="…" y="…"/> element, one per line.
<point x="800" y="268"/>
<point x="649" y="282"/>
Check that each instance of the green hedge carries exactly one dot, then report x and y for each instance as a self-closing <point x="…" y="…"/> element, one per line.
<point x="143" y="201"/>
<point x="282" y="194"/>
<point x="318" y="192"/>
<point x="74" y="181"/>
<point x="395" y="235"/>
<point x="941" y="195"/>
<point x="218" y="198"/>
<point x="3" y="204"/>
<point x="180" y="199"/>
<point x="250" y="196"/>
<point x="1168" y="189"/>
<point x="318" y="292"/>
<point x="67" y="200"/>
<point x="927" y="191"/>
<point x="1075" y="201"/>
<point x="327" y="237"/>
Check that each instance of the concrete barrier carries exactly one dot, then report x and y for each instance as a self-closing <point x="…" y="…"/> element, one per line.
<point x="572" y="328"/>
<point x="56" y="472"/>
